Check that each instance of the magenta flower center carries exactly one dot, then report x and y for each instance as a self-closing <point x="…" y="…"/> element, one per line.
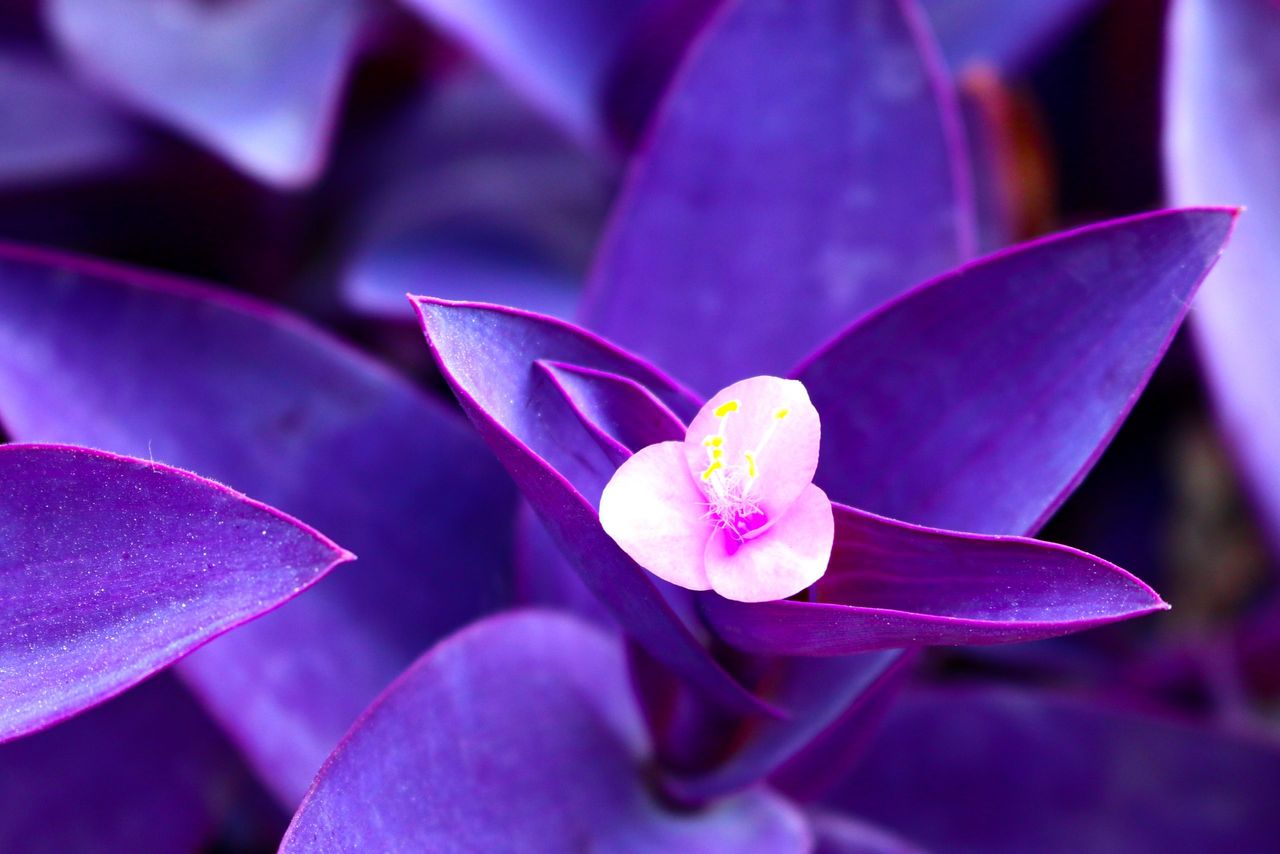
<point x="730" y="484"/>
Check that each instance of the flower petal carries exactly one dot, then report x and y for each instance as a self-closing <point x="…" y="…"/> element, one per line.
<point x="763" y="407"/>
<point x="807" y="165"/>
<point x="488" y="356"/>
<point x="138" y="773"/>
<point x="892" y="584"/>
<point x="996" y="771"/>
<point x="113" y="568"/>
<point x="655" y="512"/>
<point x="98" y="355"/>
<point x="788" y="557"/>
<point x="978" y="401"/>
<point x="256" y="81"/>
<point x="519" y="733"/>
<point x="1221" y="139"/>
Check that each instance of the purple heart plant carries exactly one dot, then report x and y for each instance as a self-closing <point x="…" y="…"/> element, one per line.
<point x="670" y="593"/>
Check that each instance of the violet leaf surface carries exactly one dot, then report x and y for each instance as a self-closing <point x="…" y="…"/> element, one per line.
<point x="257" y="81"/>
<point x="98" y="355"/>
<point x="979" y="400"/>
<point x="520" y="733"/>
<point x="806" y="165"/>
<point x="113" y="568"/>
<point x="146" y="771"/>
<point x="892" y="584"/>
<point x="1001" y="770"/>
<point x="1222" y="133"/>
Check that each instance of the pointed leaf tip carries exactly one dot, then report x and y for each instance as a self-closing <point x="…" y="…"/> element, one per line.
<point x="979" y="400"/>
<point x="113" y="567"/>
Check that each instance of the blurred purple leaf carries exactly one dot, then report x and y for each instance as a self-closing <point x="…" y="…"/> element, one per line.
<point x="806" y="165"/>
<point x="1007" y="34"/>
<point x="146" y="771"/>
<point x="115" y="567"/>
<point x="520" y="733"/>
<point x="842" y="834"/>
<point x="995" y="771"/>
<point x="256" y="81"/>
<point x="1222" y="135"/>
<point x="977" y="402"/>
<point x="52" y="128"/>
<point x="475" y="198"/>
<point x="557" y="53"/>
<point x="156" y="368"/>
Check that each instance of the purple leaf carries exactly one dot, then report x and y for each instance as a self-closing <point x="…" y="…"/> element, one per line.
<point x="841" y="834"/>
<point x="488" y="354"/>
<point x="978" y="401"/>
<point x="815" y="693"/>
<point x="51" y="128"/>
<point x="1000" y="771"/>
<point x="1221" y="139"/>
<point x="257" y="81"/>
<point x="891" y="584"/>
<point x="1009" y="34"/>
<point x="620" y="414"/>
<point x="146" y="771"/>
<point x="806" y="166"/>
<point x="475" y="198"/>
<point x="519" y="733"/>
<point x="558" y="53"/>
<point x="546" y="578"/>
<point x="96" y="355"/>
<point x="114" y="568"/>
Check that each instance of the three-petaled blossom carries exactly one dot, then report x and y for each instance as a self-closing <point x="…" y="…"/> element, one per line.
<point x="733" y="507"/>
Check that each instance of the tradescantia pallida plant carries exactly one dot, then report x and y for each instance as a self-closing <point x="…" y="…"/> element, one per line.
<point x="803" y="176"/>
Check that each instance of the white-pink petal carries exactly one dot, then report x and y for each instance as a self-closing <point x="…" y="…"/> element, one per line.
<point x="775" y="422"/>
<point x="788" y="557"/>
<point x="655" y="512"/>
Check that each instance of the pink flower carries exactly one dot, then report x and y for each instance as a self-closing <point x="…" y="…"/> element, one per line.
<point x="733" y="507"/>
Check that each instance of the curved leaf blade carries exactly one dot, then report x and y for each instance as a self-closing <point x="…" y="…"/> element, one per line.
<point x="113" y="568"/>
<point x="827" y="176"/>
<point x="979" y="400"/>
<point x="519" y="733"/>
<point x="891" y="584"/>
<point x="98" y="355"/>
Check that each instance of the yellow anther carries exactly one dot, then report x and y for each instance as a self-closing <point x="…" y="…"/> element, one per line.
<point x="711" y="469"/>
<point x="782" y="413"/>
<point x="713" y="441"/>
<point x="717" y="454"/>
<point x="725" y="408"/>
<point x="751" y="464"/>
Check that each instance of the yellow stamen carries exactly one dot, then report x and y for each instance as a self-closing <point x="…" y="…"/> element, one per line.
<point x="711" y="469"/>
<point x="751" y="464"/>
<point x="781" y="414"/>
<point x="725" y="408"/>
